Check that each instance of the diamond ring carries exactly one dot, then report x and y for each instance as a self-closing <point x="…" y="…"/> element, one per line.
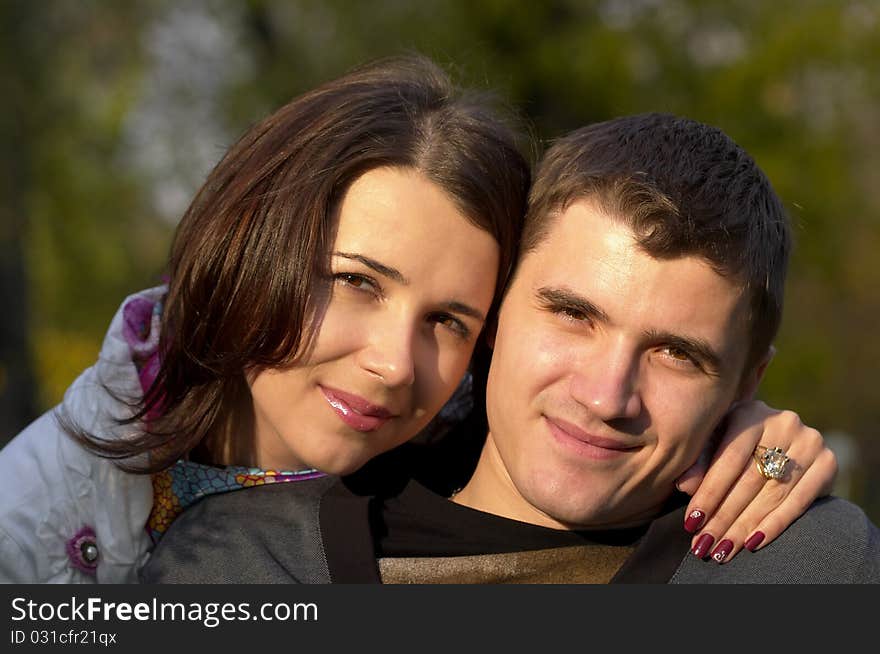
<point x="770" y="461"/>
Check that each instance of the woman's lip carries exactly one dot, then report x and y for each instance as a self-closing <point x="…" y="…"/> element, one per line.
<point x="355" y="411"/>
<point x="592" y="445"/>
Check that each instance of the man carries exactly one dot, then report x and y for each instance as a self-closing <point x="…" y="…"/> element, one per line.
<point x="644" y="305"/>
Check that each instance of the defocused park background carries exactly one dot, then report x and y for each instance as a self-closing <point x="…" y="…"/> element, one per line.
<point x="113" y="112"/>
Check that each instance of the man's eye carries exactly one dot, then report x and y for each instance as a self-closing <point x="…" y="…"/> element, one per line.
<point x="572" y="314"/>
<point x="680" y="356"/>
<point x="677" y="353"/>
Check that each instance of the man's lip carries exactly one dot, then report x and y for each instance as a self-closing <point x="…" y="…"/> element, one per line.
<point x="575" y="432"/>
<point x="356" y="403"/>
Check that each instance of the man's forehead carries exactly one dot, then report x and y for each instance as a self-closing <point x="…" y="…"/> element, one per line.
<point x="588" y="255"/>
<point x="571" y="236"/>
<point x="575" y="233"/>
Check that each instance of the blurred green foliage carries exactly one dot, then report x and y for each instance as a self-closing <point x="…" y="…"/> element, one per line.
<point x="795" y="82"/>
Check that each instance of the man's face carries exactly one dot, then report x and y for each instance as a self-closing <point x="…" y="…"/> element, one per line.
<point x="610" y="371"/>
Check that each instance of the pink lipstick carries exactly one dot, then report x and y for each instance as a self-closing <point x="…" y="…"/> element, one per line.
<point x="355" y="411"/>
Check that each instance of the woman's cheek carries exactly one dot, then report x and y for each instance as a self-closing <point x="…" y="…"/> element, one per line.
<point x="340" y="331"/>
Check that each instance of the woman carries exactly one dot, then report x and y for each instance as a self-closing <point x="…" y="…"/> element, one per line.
<point x="327" y="290"/>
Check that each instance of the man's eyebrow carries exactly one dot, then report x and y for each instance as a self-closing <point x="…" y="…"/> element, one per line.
<point x="381" y="268"/>
<point x="570" y="299"/>
<point x="696" y="347"/>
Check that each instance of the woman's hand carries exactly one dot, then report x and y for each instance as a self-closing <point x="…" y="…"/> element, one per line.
<point x="733" y="505"/>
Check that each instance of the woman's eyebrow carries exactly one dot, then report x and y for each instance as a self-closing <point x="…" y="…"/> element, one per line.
<point x="453" y="306"/>
<point x="464" y="310"/>
<point x="380" y="268"/>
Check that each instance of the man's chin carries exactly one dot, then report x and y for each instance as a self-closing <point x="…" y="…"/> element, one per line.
<point x="566" y="512"/>
<point x="590" y="512"/>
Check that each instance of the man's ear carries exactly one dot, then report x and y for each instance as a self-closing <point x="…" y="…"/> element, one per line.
<point x="752" y="379"/>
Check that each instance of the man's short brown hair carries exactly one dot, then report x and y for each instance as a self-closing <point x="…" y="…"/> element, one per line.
<point x="684" y="188"/>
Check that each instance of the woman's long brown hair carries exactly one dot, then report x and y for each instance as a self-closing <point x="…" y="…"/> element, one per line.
<point x="250" y="250"/>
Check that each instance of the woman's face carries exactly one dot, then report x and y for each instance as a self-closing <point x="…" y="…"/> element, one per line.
<point x="411" y="284"/>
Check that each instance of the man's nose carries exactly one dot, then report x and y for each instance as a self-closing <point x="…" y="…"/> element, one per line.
<point x="607" y="384"/>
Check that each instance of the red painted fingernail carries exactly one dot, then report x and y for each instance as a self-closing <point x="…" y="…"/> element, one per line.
<point x="724" y="548"/>
<point x="694" y="521"/>
<point x="703" y="544"/>
<point x="754" y="540"/>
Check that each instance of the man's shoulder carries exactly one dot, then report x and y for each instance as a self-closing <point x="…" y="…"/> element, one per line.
<point x="259" y="505"/>
<point x="833" y="542"/>
<point x="261" y="534"/>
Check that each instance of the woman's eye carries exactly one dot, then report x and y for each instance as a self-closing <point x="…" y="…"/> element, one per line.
<point x="358" y="282"/>
<point x="451" y="323"/>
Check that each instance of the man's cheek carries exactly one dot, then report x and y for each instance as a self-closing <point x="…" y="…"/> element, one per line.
<point x="544" y="354"/>
<point x="693" y="439"/>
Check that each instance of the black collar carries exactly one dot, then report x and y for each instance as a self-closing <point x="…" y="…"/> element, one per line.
<point x="344" y="518"/>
